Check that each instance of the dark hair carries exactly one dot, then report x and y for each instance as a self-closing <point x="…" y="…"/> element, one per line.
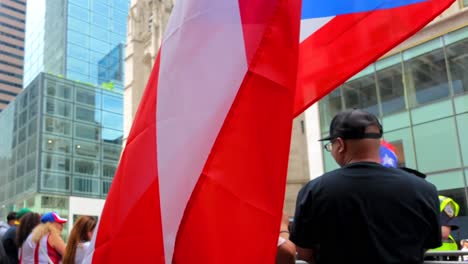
<point x="28" y="222"/>
<point x="79" y="233"/>
<point x="11" y="216"/>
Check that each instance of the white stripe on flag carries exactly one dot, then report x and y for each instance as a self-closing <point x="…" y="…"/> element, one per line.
<point x="203" y="63"/>
<point x="310" y="26"/>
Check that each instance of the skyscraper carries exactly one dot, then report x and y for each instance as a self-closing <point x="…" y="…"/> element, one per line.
<point x="12" y="22"/>
<point x="64" y="142"/>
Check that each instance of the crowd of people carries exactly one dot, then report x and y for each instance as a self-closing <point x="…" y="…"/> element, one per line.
<point x="31" y="238"/>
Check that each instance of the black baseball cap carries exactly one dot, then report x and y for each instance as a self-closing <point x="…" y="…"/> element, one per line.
<point x="352" y="124"/>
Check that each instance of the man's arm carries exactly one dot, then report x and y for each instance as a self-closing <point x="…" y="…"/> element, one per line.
<point x="306" y="254"/>
<point x="435" y="236"/>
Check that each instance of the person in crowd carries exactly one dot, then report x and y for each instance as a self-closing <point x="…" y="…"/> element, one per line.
<point x="79" y="239"/>
<point x="464" y="247"/>
<point x="286" y="253"/>
<point x="9" y="238"/>
<point x="28" y="222"/>
<point x="390" y="216"/>
<point x="449" y="210"/>
<point x="448" y="207"/>
<point x="11" y="218"/>
<point x="44" y="244"/>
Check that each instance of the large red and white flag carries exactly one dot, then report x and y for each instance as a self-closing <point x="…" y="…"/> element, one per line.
<point x="203" y="174"/>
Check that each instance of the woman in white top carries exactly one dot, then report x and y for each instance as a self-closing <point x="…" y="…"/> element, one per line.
<point x="79" y="240"/>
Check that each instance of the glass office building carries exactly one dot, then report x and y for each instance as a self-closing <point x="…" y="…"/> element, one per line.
<point x="421" y="97"/>
<point x="58" y="137"/>
<point x="64" y="131"/>
<point x="72" y="37"/>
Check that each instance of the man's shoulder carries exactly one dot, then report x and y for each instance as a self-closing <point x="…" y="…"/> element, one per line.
<point x="322" y="180"/>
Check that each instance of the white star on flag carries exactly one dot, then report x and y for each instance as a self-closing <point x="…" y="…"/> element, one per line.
<point x="387" y="160"/>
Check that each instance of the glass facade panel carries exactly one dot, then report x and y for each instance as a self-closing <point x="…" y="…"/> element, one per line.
<point x="112" y="103"/>
<point x="106" y="186"/>
<point x="461" y="104"/>
<point x="56" y="144"/>
<point x="361" y="93"/>
<point x="87" y="149"/>
<point x="111" y="120"/>
<point x="329" y="107"/>
<point x="88" y="97"/>
<point x="85" y="114"/>
<point x="59" y="89"/>
<point x="55" y="182"/>
<point x="58" y="108"/>
<point x="87" y="132"/>
<point x="108" y="170"/>
<point x="426" y="77"/>
<point x="447" y="180"/>
<point x="396" y="121"/>
<point x="86" y="185"/>
<point x="390" y="82"/>
<point x="433" y="111"/>
<point x="111" y="136"/>
<point x="438" y="141"/>
<point x="457" y="56"/>
<point x="53" y="162"/>
<point x="111" y="152"/>
<point x="86" y="167"/>
<point x="462" y="124"/>
<point x="57" y="126"/>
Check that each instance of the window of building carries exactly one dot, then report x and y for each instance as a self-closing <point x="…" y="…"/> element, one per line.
<point x="58" y="108"/>
<point x="58" y="89"/>
<point x="457" y="56"/>
<point x="55" y="182"/>
<point x="111" y="136"/>
<point x="426" y="73"/>
<point x="55" y="162"/>
<point x="21" y="151"/>
<point x="111" y="152"/>
<point x="87" y="132"/>
<point x="86" y="149"/>
<point x="106" y="187"/>
<point x="463" y="132"/>
<point x="22" y="135"/>
<point x="31" y="163"/>
<point x="111" y="120"/>
<point x="56" y="144"/>
<point x="85" y="185"/>
<point x="390" y="82"/>
<point x="23" y="118"/>
<point x="33" y="109"/>
<point x="20" y="168"/>
<point x="112" y="103"/>
<point x="32" y="145"/>
<point x="361" y="93"/>
<point x="88" y="167"/>
<point x="57" y="126"/>
<point x="108" y="170"/>
<point x="88" y="97"/>
<point x="87" y="115"/>
<point x="53" y="202"/>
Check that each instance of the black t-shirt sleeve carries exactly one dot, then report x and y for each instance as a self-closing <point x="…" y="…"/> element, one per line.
<point x="434" y="239"/>
<point x="304" y="230"/>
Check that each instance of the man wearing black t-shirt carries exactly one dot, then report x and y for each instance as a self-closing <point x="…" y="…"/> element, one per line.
<point x="386" y="215"/>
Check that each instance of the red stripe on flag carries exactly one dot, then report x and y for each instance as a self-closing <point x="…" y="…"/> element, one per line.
<point x="234" y="212"/>
<point x="130" y="227"/>
<point x="349" y="43"/>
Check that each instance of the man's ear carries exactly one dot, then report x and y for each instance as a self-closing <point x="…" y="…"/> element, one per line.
<point x="341" y="145"/>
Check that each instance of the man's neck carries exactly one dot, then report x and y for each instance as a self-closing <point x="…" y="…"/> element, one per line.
<point x="363" y="159"/>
